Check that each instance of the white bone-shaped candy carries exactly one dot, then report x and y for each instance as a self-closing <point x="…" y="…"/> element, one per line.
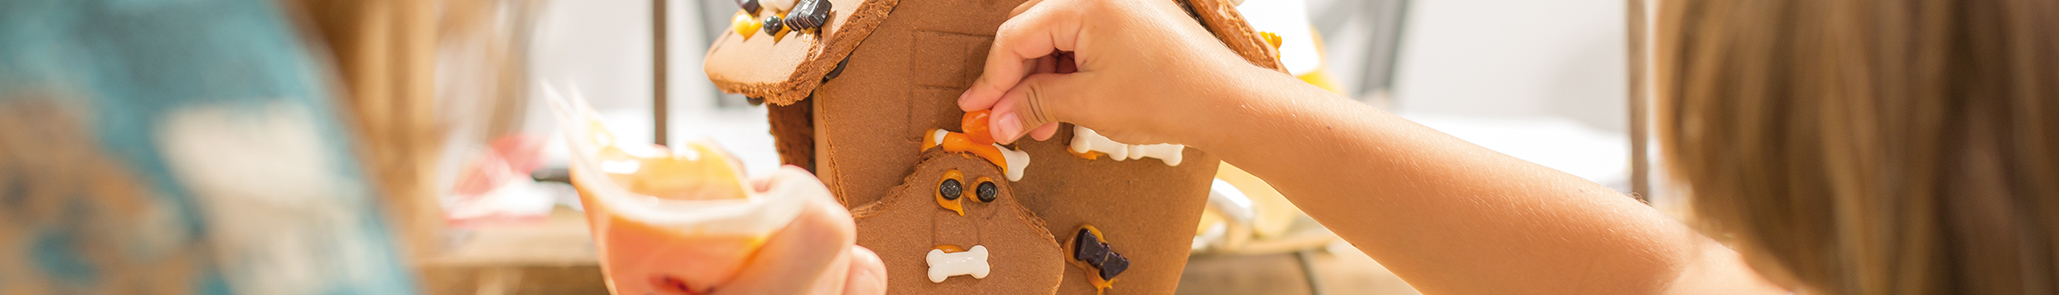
<point x="1086" y="140"/>
<point x="1017" y="161"/>
<point x="970" y="262"/>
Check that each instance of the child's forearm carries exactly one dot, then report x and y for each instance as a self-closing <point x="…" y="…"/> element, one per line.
<point x="1447" y="215"/>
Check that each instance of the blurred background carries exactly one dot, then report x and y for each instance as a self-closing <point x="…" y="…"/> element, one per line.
<point x="441" y="102"/>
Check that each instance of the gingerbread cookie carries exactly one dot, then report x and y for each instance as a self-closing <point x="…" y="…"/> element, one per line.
<point x="954" y="227"/>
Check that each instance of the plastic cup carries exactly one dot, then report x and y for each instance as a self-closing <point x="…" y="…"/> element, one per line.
<point x="653" y="245"/>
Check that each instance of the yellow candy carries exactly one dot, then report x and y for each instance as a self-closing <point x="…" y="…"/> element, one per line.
<point x="1271" y="39"/>
<point x="745" y="24"/>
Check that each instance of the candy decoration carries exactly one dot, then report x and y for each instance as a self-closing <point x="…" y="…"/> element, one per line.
<point x="987" y="191"/>
<point x="975" y="125"/>
<point x="1086" y="247"/>
<point x="1271" y="39"/>
<point x="1090" y="145"/>
<point x="838" y="71"/>
<point x="951" y="190"/>
<point x="1091" y="252"/>
<point x="750" y="6"/>
<point x="808" y="14"/>
<point x="943" y="264"/>
<point x="1012" y="162"/>
<point x="779" y="5"/>
<point x="773" y="27"/>
<point x="744" y="24"/>
<point x="1113" y="265"/>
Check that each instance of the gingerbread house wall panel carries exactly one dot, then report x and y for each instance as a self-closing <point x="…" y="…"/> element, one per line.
<point x="904" y="79"/>
<point x="1146" y="209"/>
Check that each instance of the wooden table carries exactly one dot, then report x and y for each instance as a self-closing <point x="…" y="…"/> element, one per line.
<point x="557" y="257"/>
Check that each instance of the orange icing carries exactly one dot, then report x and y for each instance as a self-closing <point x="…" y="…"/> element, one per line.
<point x="960" y="143"/>
<point x="1090" y="155"/>
<point x="948" y="248"/>
<point x="957" y="205"/>
<point x="698" y="172"/>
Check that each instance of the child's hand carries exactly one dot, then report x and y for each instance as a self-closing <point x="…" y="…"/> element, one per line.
<point x="815" y="253"/>
<point x="1144" y="71"/>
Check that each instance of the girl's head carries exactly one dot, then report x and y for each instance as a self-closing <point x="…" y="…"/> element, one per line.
<point x="1869" y="146"/>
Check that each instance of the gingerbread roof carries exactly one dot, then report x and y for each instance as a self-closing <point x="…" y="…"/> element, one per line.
<point x="786" y="69"/>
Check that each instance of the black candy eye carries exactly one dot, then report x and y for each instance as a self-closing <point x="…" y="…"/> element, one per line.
<point x="951" y="189"/>
<point x="987" y="191"/>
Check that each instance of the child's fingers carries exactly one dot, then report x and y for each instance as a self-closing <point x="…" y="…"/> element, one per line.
<point x="868" y="275"/>
<point x="1035" y="33"/>
<point x="1039" y="100"/>
<point x="797" y="258"/>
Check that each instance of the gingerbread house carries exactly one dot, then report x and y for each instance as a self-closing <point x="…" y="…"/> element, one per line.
<point x="864" y="94"/>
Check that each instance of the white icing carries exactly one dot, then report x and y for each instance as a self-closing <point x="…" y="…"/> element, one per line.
<point x="1017" y="160"/>
<point x="1086" y="140"/>
<point x="944" y="265"/>
<point x="937" y="138"/>
<point x="1169" y="153"/>
<point x="781" y="6"/>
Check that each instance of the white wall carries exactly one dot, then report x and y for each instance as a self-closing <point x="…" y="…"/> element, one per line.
<point x="1502" y="58"/>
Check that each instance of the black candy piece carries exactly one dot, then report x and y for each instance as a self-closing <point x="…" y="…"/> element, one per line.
<point x="750" y="6"/>
<point x="1088" y="248"/>
<point x="1114" y="266"/>
<point x="839" y="71"/>
<point x="951" y="189"/>
<point x="772" y="24"/>
<point x="987" y="191"/>
<point x="808" y="14"/>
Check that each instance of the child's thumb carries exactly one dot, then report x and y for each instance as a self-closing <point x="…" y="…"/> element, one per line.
<point x="1038" y="100"/>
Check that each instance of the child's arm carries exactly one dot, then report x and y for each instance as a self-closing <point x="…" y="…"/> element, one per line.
<point x="1446" y="215"/>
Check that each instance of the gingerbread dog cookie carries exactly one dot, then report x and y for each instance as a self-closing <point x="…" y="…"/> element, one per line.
<point x="958" y="212"/>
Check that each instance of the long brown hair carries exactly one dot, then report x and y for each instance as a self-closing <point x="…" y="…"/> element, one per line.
<point x="1870" y="147"/>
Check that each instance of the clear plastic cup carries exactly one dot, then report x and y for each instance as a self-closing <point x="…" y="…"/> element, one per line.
<point x="655" y="245"/>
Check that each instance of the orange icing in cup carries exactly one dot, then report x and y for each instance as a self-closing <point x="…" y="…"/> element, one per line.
<point x="700" y="172"/>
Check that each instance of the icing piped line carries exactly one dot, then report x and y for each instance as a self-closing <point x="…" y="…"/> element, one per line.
<point x="1086" y="141"/>
<point x="1011" y="161"/>
<point x="970" y="262"/>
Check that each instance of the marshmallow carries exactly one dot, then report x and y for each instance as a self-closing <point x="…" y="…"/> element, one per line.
<point x="779" y="5"/>
<point x="944" y="265"/>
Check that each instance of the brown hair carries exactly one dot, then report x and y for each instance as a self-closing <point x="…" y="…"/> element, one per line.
<point x="1870" y="147"/>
